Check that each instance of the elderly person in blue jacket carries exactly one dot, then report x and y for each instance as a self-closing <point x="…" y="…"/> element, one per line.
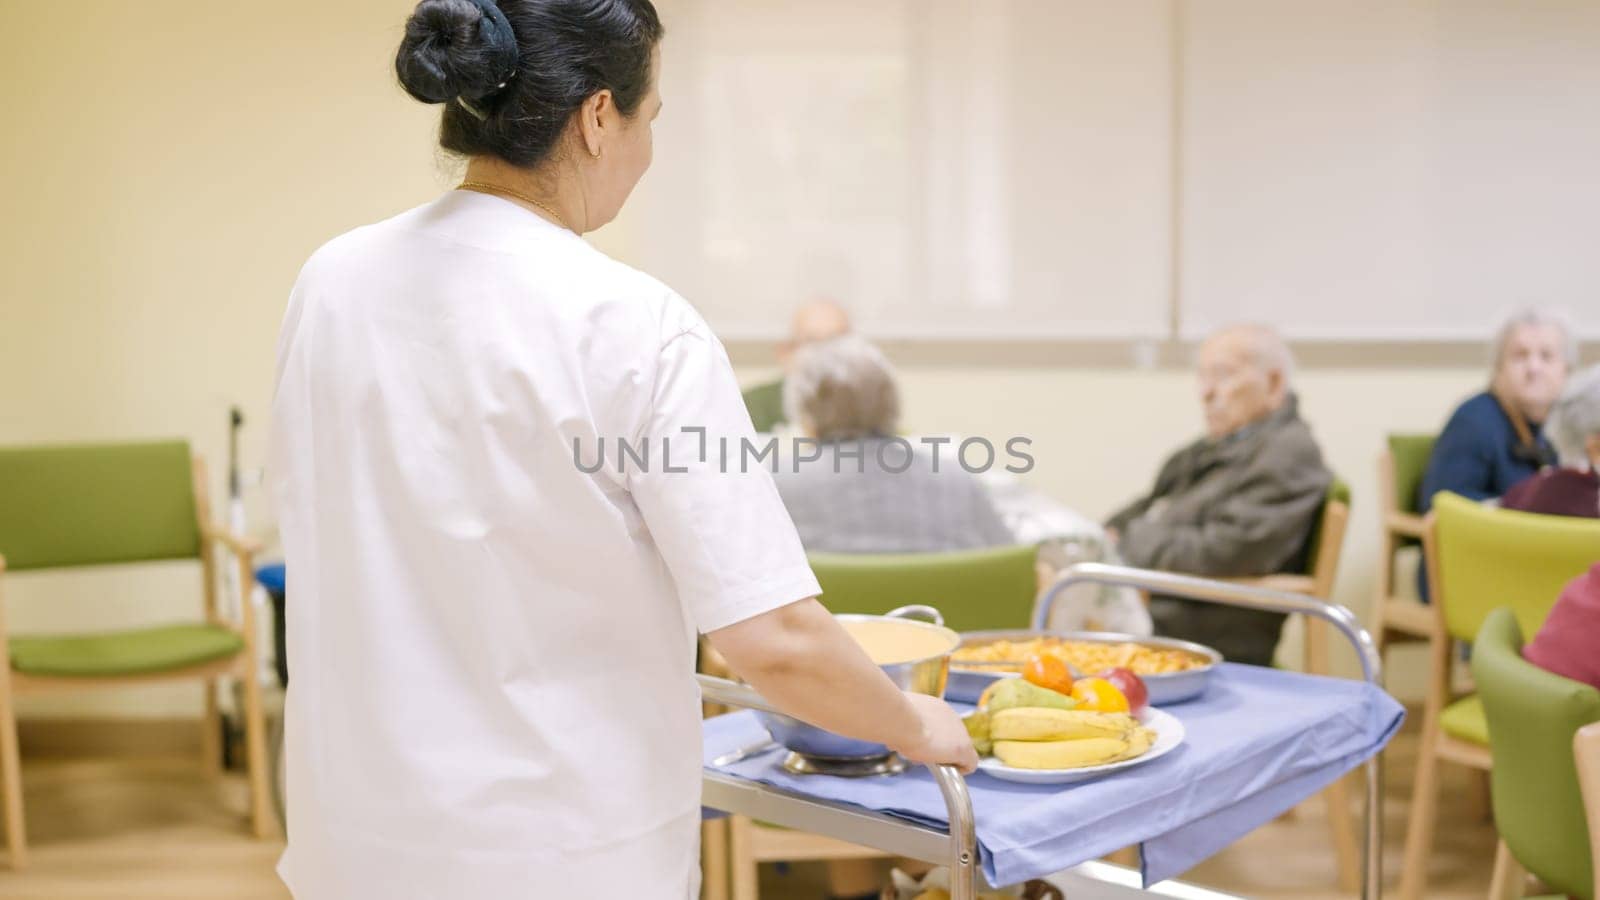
<point x="1496" y="438"/>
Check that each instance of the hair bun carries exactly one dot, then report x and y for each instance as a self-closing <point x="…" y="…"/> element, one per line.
<point x="456" y="48"/>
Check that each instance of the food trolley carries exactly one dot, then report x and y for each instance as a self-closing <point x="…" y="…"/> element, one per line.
<point x="956" y="845"/>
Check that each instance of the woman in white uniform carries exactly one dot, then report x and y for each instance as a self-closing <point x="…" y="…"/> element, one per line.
<point x="493" y="640"/>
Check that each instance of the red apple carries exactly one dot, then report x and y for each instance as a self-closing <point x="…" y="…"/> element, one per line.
<point x="1132" y="687"/>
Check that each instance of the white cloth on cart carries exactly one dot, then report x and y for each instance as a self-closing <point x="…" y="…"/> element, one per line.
<point x="1065" y="538"/>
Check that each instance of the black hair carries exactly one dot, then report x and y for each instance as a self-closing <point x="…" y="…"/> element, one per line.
<point x="512" y="73"/>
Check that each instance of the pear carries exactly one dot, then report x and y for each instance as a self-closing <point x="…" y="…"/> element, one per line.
<point x="1009" y="693"/>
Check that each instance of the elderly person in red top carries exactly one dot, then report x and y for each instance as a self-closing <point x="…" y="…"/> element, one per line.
<point x="1573" y="487"/>
<point x="1569" y="642"/>
<point x="1566" y="643"/>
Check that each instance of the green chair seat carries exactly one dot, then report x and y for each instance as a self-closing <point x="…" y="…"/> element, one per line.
<point x="1464" y="720"/>
<point x="142" y="651"/>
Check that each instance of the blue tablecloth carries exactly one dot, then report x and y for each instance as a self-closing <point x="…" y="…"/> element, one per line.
<point x="1259" y="742"/>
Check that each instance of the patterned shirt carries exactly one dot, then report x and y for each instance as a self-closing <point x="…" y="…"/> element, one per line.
<point x="855" y="498"/>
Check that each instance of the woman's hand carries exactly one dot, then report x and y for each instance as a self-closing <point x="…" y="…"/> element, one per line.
<point x="943" y="739"/>
<point x="803" y="661"/>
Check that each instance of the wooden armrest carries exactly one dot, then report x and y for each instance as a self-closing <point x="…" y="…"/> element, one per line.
<point x="1404" y="523"/>
<point x="1586" y="753"/>
<point x="238" y="543"/>
<point x="1294" y="584"/>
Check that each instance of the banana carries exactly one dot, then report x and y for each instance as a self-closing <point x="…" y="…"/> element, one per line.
<point x="1009" y="693"/>
<point x="978" y="729"/>
<point x="1140" y="740"/>
<point x="1030" y="723"/>
<point x="1060" y="754"/>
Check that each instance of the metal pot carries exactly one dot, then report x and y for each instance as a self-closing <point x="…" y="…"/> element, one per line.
<point x="923" y="676"/>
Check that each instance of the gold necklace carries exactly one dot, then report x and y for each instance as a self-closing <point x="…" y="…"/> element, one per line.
<point x="484" y="187"/>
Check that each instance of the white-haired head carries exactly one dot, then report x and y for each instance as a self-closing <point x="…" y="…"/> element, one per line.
<point x="841" y="389"/>
<point x="1532" y="354"/>
<point x="1246" y="373"/>
<point x="1574" y="423"/>
<point x="815" y="320"/>
<point x="1535" y="317"/>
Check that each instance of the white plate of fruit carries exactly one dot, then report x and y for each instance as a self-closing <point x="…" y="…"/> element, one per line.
<point x="1032" y="734"/>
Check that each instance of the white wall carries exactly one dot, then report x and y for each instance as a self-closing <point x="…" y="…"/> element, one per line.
<point x="1359" y="169"/>
<point x="1389" y="168"/>
<point x="953" y="168"/>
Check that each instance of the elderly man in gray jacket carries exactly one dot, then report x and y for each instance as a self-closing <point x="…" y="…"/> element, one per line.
<point x="1240" y="501"/>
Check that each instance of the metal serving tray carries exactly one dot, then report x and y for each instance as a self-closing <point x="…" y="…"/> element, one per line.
<point x="968" y="680"/>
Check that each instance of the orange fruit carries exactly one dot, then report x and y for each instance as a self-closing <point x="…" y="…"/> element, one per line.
<point x="1099" y="695"/>
<point x="1048" y="671"/>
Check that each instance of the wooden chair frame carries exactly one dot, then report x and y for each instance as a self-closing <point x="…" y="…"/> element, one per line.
<point x="242" y="665"/>
<point x="1400" y="618"/>
<point x="1586" y="753"/>
<point x="1319" y="585"/>
<point x="1436" y="745"/>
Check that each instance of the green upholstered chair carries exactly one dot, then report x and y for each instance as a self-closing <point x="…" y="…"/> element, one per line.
<point x="65" y="507"/>
<point x="1480" y="558"/>
<point x="1533" y="716"/>
<point x="973" y="589"/>
<point x="1408" y="456"/>
<point x="1401" y="617"/>
<point x="765" y="403"/>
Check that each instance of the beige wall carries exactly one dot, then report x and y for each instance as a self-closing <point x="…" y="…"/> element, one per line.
<point x="170" y="165"/>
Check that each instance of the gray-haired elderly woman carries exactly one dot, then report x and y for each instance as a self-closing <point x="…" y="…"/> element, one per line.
<point x="861" y="489"/>
<point x="1571" y="488"/>
<point x="1495" y="439"/>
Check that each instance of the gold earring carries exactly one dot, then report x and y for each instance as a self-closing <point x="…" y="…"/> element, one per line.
<point x="595" y="153"/>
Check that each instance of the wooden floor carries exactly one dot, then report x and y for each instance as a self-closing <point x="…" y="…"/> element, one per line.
<point x="157" y="830"/>
<point x="139" y="829"/>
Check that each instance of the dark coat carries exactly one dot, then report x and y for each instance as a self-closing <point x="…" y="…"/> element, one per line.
<point x="1242" y="505"/>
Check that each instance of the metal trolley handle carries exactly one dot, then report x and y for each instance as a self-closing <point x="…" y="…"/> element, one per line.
<point x="963" y="859"/>
<point x="1249" y="597"/>
<point x="963" y="828"/>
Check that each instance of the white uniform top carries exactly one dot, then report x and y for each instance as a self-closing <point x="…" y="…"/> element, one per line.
<point x="491" y="650"/>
